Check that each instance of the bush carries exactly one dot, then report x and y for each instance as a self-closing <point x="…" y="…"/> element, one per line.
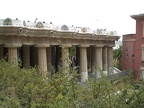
<point x="25" y="88"/>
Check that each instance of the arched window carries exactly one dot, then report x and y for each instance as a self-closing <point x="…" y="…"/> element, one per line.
<point x="7" y="22"/>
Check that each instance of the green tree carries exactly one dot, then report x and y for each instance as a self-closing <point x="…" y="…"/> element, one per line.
<point x="117" y="54"/>
<point x="25" y="88"/>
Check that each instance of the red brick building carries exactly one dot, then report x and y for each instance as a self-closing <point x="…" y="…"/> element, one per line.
<point x="133" y="48"/>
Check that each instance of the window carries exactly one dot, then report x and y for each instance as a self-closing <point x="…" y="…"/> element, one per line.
<point x="142" y="73"/>
<point x="142" y="52"/>
<point x="143" y="29"/>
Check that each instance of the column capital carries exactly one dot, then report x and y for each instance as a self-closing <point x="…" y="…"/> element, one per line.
<point x="105" y="45"/>
<point x="110" y="46"/>
<point x="98" y="46"/>
<point x="84" y="45"/>
<point x="66" y="45"/>
<point x="28" y="44"/>
<point x="42" y="45"/>
<point x="13" y="45"/>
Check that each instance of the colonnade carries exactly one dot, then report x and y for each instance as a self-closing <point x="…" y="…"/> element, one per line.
<point x="89" y="57"/>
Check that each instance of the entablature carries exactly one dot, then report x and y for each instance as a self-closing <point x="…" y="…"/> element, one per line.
<point x="23" y="35"/>
<point x="22" y="31"/>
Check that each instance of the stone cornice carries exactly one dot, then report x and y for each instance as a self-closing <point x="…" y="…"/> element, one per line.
<point x="139" y="16"/>
<point x="27" y="36"/>
<point x="33" y="32"/>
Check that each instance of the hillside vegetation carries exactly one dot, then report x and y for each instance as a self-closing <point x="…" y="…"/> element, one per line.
<point x="25" y="88"/>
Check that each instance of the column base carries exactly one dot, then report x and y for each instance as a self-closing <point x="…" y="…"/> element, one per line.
<point x="93" y="69"/>
<point x="84" y="76"/>
<point x="105" y="67"/>
<point x="110" y="71"/>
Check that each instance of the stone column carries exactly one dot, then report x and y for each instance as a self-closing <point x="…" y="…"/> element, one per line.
<point x="42" y="58"/>
<point x="65" y="58"/>
<point x="26" y="56"/>
<point x="98" y="53"/>
<point x="12" y="52"/>
<point x="1" y="52"/>
<point x="105" y="65"/>
<point x="83" y="63"/>
<point x="110" y="60"/>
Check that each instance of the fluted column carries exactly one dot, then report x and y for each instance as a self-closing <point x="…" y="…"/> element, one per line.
<point x="97" y="60"/>
<point x="110" y="60"/>
<point x="98" y="52"/>
<point x="42" y="58"/>
<point x="12" y="52"/>
<point x="65" y="58"/>
<point x="1" y="52"/>
<point x="26" y="56"/>
<point x="83" y="63"/>
<point x="105" y="64"/>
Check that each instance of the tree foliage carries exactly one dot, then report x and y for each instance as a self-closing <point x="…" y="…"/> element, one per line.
<point x="25" y="88"/>
<point x="117" y="54"/>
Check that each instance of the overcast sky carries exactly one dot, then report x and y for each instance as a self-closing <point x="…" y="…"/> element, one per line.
<point x="110" y="14"/>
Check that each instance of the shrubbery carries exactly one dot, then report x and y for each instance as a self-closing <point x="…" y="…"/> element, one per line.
<point x="25" y="88"/>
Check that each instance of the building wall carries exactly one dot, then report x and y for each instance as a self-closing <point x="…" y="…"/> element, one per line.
<point x="128" y="52"/>
<point x="132" y="50"/>
<point x="138" y="49"/>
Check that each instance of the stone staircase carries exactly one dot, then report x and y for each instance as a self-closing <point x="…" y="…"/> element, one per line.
<point x="115" y="75"/>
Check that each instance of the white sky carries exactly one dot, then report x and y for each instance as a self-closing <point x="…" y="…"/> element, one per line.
<point x="110" y="14"/>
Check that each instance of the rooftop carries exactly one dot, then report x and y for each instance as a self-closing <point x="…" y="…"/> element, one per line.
<point x="44" y="25"/>
<point x="138" y="16"/>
